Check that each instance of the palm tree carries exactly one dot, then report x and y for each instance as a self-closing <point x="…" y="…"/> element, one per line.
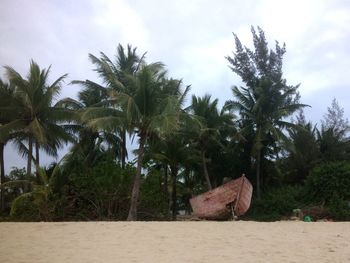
<point x="304" y="154"/>
<point x="263" y="111"/>
<point x="172" y="150"/>
<point x="332" y="144"/>
<point x="90" y="141"/>
<point x="39" y="193"/>
<point x="213" y="122"/>
<point x="169" y="152"/>
<point x="147" y="108"/>
<point x="7" y="113"/>
<point x="114" y="75"/>
<point x="38" y="119"/>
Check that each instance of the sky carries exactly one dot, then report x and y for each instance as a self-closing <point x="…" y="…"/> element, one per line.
<point x="192" y="38"/>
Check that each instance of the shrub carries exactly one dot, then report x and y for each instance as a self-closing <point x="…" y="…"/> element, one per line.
<point x="329" y="184"/>
<point x="275" y="204"/>
<point x="25" y="209"/>
<point x="339" y="208"/>
<point x="94" y="193"/>
<point x="153" y="205"/>
<point x="327" y="181"/>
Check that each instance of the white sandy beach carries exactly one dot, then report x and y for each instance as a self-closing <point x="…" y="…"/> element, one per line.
<point x="175" y="242"/>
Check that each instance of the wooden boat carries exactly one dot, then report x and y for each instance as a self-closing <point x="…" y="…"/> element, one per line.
<point x="228" y="200"/>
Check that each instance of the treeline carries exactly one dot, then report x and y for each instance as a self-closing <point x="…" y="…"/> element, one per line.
<point x="182" y="149"/>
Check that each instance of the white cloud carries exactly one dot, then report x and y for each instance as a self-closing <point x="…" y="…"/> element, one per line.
<point x="339" y="17"/>
<point x="117" y="18"/>
<point x="191" y="37"/>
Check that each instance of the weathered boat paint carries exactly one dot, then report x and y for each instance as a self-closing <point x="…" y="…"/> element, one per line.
<point x="218" y="203"/>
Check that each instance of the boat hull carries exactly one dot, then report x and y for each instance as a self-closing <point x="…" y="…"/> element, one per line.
<point x="220" y="203"/>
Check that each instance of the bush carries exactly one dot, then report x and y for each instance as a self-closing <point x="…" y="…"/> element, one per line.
<point x="329" y="184"/>
<point x="339" y="208"/>
<point x="153" y="204"/>
<point x="275" y="204"/>
<point x="25" y="209"/>
<point x="101" y="192"/>
<point x="327" y="181"/>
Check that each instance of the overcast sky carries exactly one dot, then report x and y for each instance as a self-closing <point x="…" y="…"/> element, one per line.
<point x="191" y="37"/>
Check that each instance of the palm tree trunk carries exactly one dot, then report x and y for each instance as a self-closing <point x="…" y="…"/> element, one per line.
<point x="30" y="156"/>
<point x="258" y="165"/>
<point x="123" y="135"/>
<point x="37" y="161"/>
<point x="132" y="216"/>
<point x="2" y="176"/>
<point x="205" y="170"/>
<point x="165" y="187"/>
<point x="174" y="170"/>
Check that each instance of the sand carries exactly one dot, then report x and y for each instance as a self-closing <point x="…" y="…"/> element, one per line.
<point x="175" y="242"/>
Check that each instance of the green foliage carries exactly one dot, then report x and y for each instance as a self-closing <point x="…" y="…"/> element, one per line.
<point x="334" y="119"/>
<point x="153" y="205"/>
<point x="94" y="193"/>
<point x="211" y="137"/>
<point x="275" y="204"/>
<point x="25" y="209"/>
<point x="332" y="145"/>
<point x="339" y="208"/>
<point x="16" y="183"/>
<point x="176" y="145"/>
<point x="34" y="205"/>
<point x="266" y="100"/>
<point x="328" y="181"/>
<point x="304" y="153"/>
<point x="143" y="101"/>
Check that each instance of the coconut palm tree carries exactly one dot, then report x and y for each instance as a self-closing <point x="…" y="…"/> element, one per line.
<point x="305" y="153"/>
<point x="171" y="151"/>
<point x="7" y="114"/>
<point x="213" y="122"/>
<point x="174" y="152"/>
<point x="91" y="141"/>
<point x="147" y="109"/>
<point x="114" y="75"/>
<point x="39" y="120"/>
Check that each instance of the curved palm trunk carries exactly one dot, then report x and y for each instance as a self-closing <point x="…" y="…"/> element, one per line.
<point x="174" y="171"/>
<point x="132" y="216"/>
<point x="205" y="170"/>
<point x="30" y="156"/>
<point x="2" y="176"/>
<point x="258" y="165"/>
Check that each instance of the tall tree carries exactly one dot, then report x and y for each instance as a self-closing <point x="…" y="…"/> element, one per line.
<point x="91" y="141"/>
<point x="146" y="107"/>
<point x="39" y="119"/>
<point x="172" y="149"/>
<point x="332" y="138"/>
<point x="334" y="119"/>
<point x="213" y="122"/>
<point x="7" y="114"/>
<point x="172" y="153"/>
<point x="266" y="100"/>
<point x="114" y="75"/>
<point x="304" y="153"/>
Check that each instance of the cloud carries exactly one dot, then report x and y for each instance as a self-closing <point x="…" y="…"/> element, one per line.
<point x="190" y="37"/>
<point x="119" y="22"/>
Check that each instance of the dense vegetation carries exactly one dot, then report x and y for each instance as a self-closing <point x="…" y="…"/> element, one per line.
<point x="182" y="149"/>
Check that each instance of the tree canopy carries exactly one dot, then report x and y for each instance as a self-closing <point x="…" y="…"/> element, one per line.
<point x="184" y="148"/>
